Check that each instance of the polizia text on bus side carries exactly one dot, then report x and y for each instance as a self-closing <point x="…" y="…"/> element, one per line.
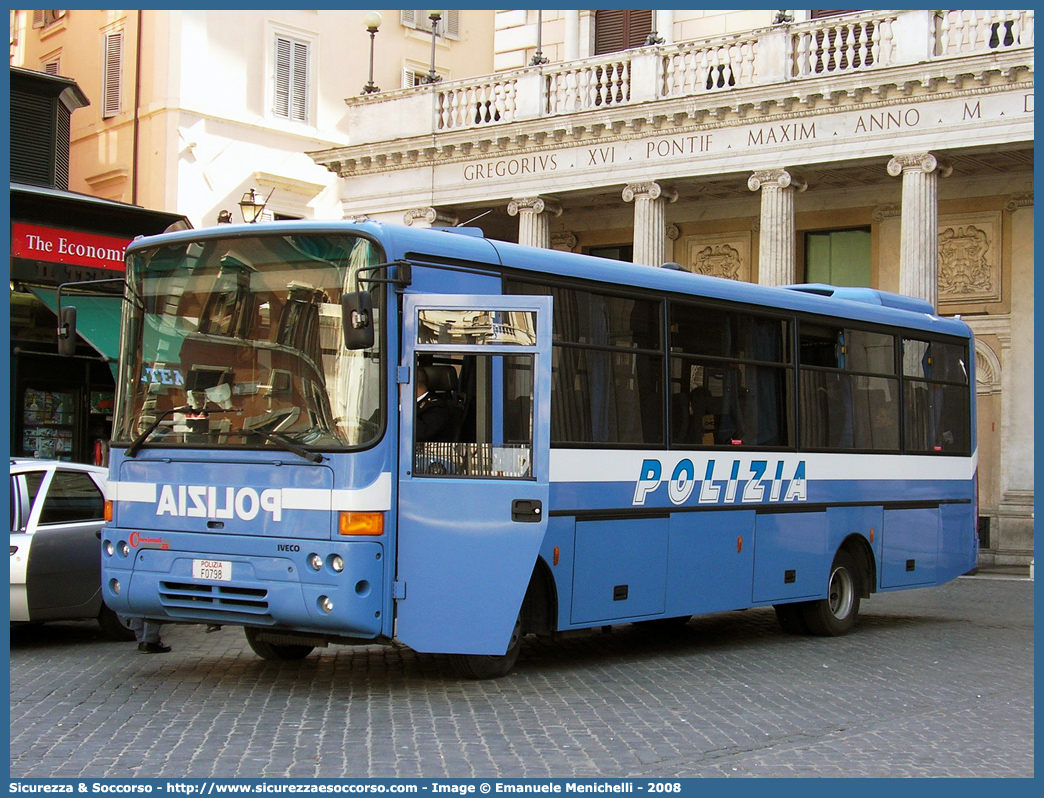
<point x="351" y="432"/>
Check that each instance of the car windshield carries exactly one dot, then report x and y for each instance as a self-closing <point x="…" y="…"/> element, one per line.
<point x="238" y="342"/>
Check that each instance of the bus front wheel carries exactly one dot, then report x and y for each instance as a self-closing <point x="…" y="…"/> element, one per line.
<point x="274" y="651"/>
<point x="490" y="666"/>
<point x="836" y="614"/>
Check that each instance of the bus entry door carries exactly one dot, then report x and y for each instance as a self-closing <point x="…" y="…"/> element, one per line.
<point x="473" y="467"/>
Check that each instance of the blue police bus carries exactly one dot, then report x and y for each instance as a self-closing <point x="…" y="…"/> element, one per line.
<point x="614" y="443"/>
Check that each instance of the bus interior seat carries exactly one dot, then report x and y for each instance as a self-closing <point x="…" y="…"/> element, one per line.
<point x="442" y="381"/>
<point x="518" y="420"/>
<point x="443" y="385"/>
<point x="681" y="420"/>
<point x="705" y="409"/>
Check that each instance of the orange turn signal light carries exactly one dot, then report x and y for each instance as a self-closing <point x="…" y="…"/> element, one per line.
<point x="108" y="511"/>
<point x="360" y="523"/>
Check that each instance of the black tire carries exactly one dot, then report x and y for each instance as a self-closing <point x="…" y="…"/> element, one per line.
<point x="112" y="627"/>
<point x="791" y="618"/>
<point x="275" y="651"/>
<point x="836" y="614"/>
<point x="490" y="666"/>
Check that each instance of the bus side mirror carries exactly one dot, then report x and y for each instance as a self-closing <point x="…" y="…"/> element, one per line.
<point x="67" y="330"/>
<point x="357" y="320"/>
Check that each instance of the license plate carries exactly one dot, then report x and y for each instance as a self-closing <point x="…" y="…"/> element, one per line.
<point x="212" y="570"/>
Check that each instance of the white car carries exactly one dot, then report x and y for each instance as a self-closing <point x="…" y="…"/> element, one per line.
<point x="57" y="511"/>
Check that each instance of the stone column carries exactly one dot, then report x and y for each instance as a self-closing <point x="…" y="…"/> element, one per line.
<point x="428" y="217"/>
<point x="650" y="220"/>
<point x="776" y="250"/>
<point x="919" y="228"/>
<point x="534" y="220"/>
<point x="1015" y="533"/>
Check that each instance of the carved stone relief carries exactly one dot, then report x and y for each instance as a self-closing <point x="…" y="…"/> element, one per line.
<point x="724" y="255"/>
<point x="987" y="369"/>
<point x="970" y="258"/>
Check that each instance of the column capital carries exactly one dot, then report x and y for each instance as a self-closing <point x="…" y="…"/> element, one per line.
<point x="534" y="205"/>
<point x="649" y="189"/>
<point x="564" y="241"/>
<point x="1016" y="201"/>
<point x="924" y="161"/>
<point x="775" y="177"/>
<point x="882" y="212"/>
<point x="429" y="216"/>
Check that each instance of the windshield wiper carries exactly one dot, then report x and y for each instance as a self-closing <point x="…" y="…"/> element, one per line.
<point x="137" y="442"/>
<point x="283" y="442"/>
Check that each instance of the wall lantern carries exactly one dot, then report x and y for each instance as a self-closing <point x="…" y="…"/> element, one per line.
<point x="252" y="206"/>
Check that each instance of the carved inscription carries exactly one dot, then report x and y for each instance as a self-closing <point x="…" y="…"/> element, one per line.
<point x="888" y="120"/>
<point x="778" y="134"/>
<point x="884" y="126"/>
<point x="510" y="167"/>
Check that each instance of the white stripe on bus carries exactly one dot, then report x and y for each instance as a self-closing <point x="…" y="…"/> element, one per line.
<point x="606" y="465"/>
<point x="375" y="497"/>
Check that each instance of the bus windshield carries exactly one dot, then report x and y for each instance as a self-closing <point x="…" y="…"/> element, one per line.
<point x="238" y="342"/>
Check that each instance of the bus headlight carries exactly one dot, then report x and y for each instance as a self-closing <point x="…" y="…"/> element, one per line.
<point x="108" y="548"/>
<point x="124" y="548"/>
<point x="337" y="563"/>
<point x="114" y="586"/>
<point x="325" y="604"/>
<point x="315" y="561"/>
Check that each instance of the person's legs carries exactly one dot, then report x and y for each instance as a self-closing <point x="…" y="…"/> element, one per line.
<point x="148" y="636"/>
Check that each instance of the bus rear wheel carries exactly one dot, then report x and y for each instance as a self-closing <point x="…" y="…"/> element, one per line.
<point x="490" y="666"/>
<point x="836" y="614"/>
<point x="274" y="651"/>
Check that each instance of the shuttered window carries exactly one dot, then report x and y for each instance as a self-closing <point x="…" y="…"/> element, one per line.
<point x="291" y="79"/>
<point x="41" y="19"/>
<point x="112" y="77"/>
<point x="449" y="25"/>
<point x="32" y="133"/>
<point x="617" y="30"/>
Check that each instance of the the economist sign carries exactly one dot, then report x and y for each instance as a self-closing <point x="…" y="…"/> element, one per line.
<point x="69" y="247"/>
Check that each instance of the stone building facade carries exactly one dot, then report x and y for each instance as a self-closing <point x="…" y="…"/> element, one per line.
<point x="890" y="148"/>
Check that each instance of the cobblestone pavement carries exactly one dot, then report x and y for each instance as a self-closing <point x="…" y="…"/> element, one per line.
<point x="933" y="682"/>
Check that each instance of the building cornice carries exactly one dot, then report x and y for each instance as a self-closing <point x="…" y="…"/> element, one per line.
<point x="969" y="78"/>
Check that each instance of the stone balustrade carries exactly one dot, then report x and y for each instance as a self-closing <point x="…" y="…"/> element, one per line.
<point x="780" y="54"/>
